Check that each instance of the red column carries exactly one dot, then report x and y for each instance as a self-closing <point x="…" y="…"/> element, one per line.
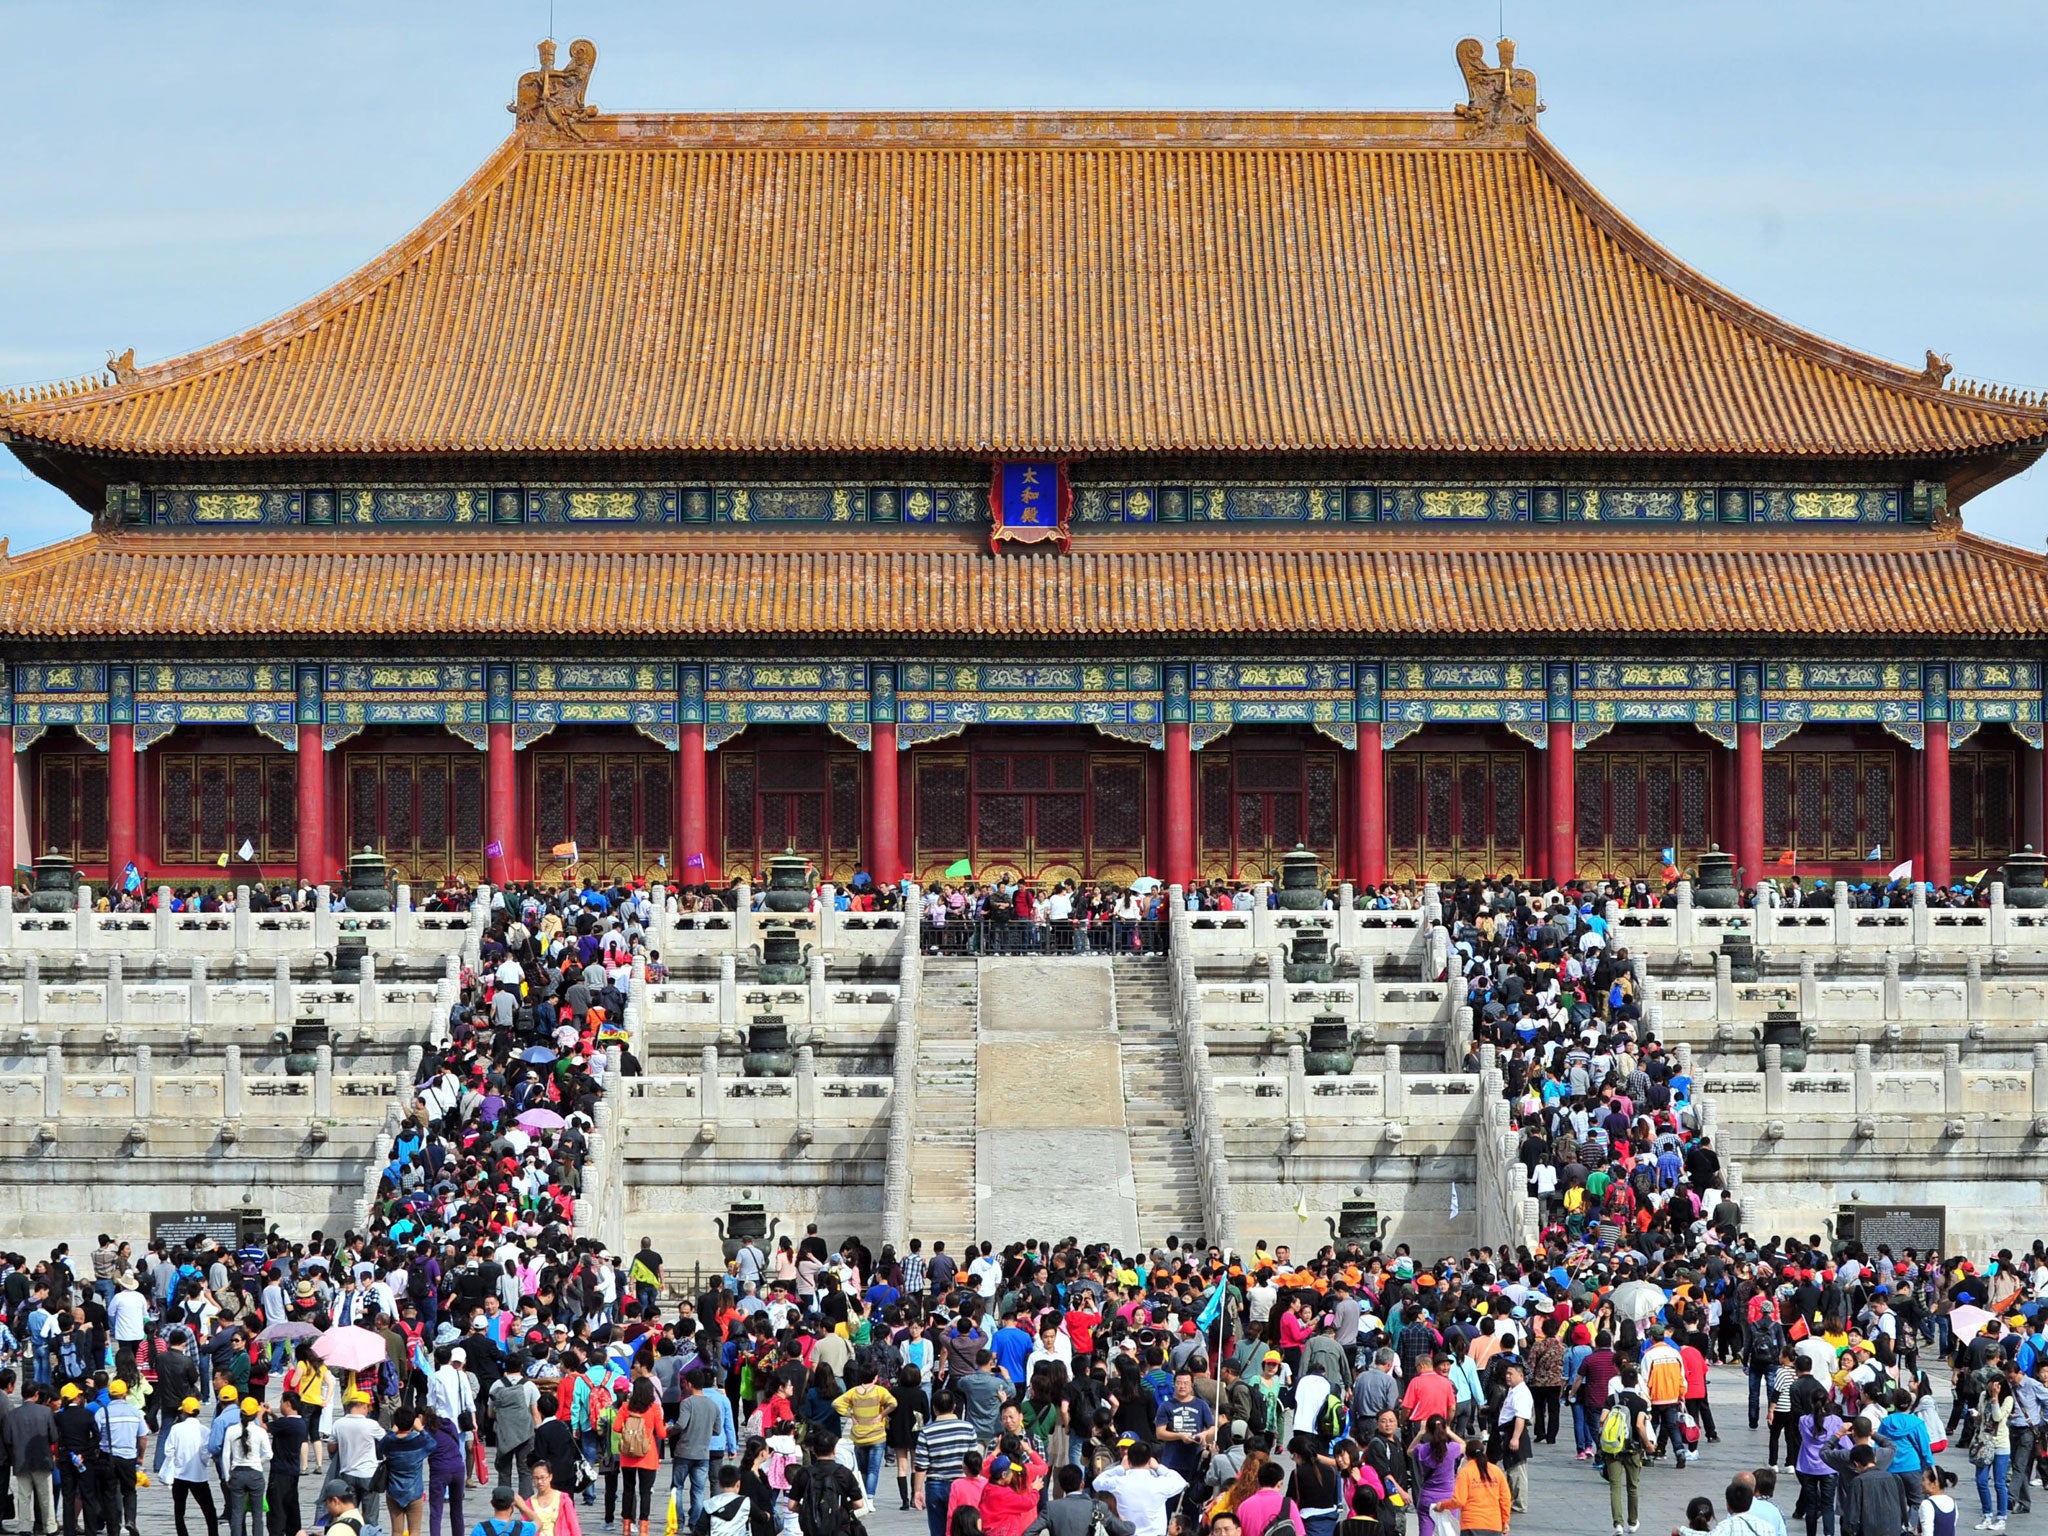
<point x="693" y="844"/>
<point x="1934" y="804"/>
<point x="1370" y="806"/>
<point x="1179" y="822"/>
<point x="120" y="803"/>
<point x="7" y="779"/>
<point x="313" y="864"/>
<point x="1562" y="801"/>
<point x="1749" y="804"/>
<point x="1911" y="845"/>
<point x="885" y="856"/>
<point x="501" y="814"/>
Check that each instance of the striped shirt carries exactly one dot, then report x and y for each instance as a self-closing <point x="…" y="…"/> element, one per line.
<point x="913" y="1275"/>
<point x="941" y="1445"/>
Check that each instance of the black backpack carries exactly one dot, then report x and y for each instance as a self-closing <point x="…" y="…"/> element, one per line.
<point x="827" y="1506"/>
<point x="1766" y="1343"/>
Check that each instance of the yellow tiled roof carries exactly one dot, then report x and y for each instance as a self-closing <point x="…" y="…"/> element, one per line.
<point x="887" y="586"/>
<point x="1025" y="283"/>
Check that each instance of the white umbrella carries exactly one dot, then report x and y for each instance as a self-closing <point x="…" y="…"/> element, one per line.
<point x="1638" y="1299"/>
<point x="1967" y="1322"/>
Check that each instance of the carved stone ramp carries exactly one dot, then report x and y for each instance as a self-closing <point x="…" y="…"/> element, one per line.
<point x="1052" y="1153"/>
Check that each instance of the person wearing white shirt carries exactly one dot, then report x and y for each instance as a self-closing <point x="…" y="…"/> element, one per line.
<point x="245" y="1456"/>
<point x="128" y="1312"/>
<point x="986" y="1274"/>
<point x="1142" y="1489"/>
<point x="185" y="1459"/>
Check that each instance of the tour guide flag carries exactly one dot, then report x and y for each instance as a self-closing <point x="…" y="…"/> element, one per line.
<point x="1029" y="503"/>
<point x="565" y="850"/>
<point x="959" y="869"/>
<point x="131" y="878"/>
<point x="494" y="849"/>
<point x="1901" y="871"/>
<point x="1212" y="1308"/>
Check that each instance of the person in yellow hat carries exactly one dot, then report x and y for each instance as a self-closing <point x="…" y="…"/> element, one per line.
<point x="189" y="1465"/>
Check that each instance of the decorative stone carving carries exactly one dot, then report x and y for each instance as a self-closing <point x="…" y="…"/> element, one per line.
<point x="1937" y="369"/>
<point x="122" y="367"/>
<point x="1497" y="98"/>
<point x="550" y="100"/>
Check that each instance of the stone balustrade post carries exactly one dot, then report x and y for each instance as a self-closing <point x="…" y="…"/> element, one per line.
<point x="284" y="1007"/>
<point x="1276" y="985"/>
<point x="366" y="990"/>
<point x="1866" y="1082"/>
<point x="806" y="1093"/>
<point x="1393" y="1100"/>
<point x="31" y="990"/>
<point x="323" y="1083"/>
<point x="241" y="926"/>
<point x="117" y="991"/>
<point x="406" y="1078"/>
<point x="324" y="930"/>
<point x="1368" y="992"/>
<point x="1724" y="989"/>
<point x="405" y="922"/>
<point x="1681" y="903"/>
<point x="1681" y="1056"/>
<point x="198" y="995"/>
<point x="1457" y="1024"/>
<point x="1809" y="988"/>
<point x="2039" y="1086"/>
<point x="819" y="995"/>
<point x="1297" y="1083"/>
<point x="231" y="1084"/>
<point x="145" y="1083"/>
<point x="1611" y="911"/>
<point x="1923" y="928"/>
<point x="53" y="1081"/>
<point x="160" y="921"/>
<point x="1653" y="1021"/>
<point x="1347" y="897"/>
<point x="1952" y="1079"/>
<point x="710" y="1098"/>
<point x="728" y="992"/>
<point x="1774" y="1080"/>
<point x="1999" y="928"/>
<point x="1844" y="924"/>
<point x="1894" y="992"/>
<point x="1973" y="989"/>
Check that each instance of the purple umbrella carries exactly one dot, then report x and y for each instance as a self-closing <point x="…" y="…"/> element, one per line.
<point x="541" y="1120"/>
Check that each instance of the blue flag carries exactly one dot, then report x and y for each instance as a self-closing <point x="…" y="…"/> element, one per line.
<point x="132" y="879"/>
<point x="1211" y="1309"/>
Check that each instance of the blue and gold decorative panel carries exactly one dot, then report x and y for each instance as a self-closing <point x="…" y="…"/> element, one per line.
<point x="882" y="693"/>
<point x="1369" y="704"/>
<point x="1322" y="694"/>
<point x="1696" y="693"/>
<point x="310" y="706"/>
<point x="60" y="693"/>
<point x="596" y="506"/>
<point x="449" y="694"/>
<point x="240" y="507"/>
<point x="641" y="694"/>
<point x="1934" y="693"/>
<point x="259" y="694"/>
<point x="1447" y="692"/>
<point x="1124" y="700"/>
<point x="738" y="694"/>
<point x="1438" y="503"/>
<point x="1179" y="700"/>
<point x="1886" y="693"/>
<point x="1827" y="504"/>
<point x="1994" y="693"/>
<point x="690" y="693"/>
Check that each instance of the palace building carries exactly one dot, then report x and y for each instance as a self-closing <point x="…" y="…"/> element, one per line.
<point x="1075" y="493"/>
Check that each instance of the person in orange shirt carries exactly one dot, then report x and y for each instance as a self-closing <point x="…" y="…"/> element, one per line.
<point x="1481" y="1497"/>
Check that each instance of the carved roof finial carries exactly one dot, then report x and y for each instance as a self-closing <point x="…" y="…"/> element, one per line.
<point x="1937" y="369"/>
<point x="549" y="101"/>
<point x="123" y="367"/>
<point x="1498" y="97"/>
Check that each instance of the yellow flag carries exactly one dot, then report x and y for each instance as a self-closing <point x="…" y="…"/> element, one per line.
<point x="1301" y="1206"/>
<point x="222" y="861"/>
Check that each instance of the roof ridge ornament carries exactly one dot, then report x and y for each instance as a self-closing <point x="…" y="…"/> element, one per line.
<point x="122" y="366"/>
<point x="1938" y="368"/>
<point x="549" y="101"/>
<point x="1499" y="99"/>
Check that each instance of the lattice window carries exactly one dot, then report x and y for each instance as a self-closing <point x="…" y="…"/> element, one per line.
<point x="740" y="830"/>
<point x="1267" y="770"/>
<point x="1286" y="821"/>
<point x="999" y="822"/>
<point x="1694" y="804"/>
<point x="1436" y="805"/>
<point x="1592" y="802"/>
<point x="1627" y="800"/>
<point x="283" y="811"/>
<point x="245" y="813"/>
<point x="1320" y="775"/>
<point x="1069" y="771"/>
<point x="1216" y="802"/>
<point x="433" y="803"/>
<point x="1843" y="830"/>
<point x="992" y="772"/>
<point x="586" y="802"/>
<point x="1060" y="823"/>
<point x="942" y="807"/>
<point x="60" y="805"/>
<point x="1777" y="807"/>
<point x="1119" y="807"/>
<point x="213" y="806"/>
<point x="1030" y="771"/>
<point x="621" y="780"/>
<point x="792" y="770"/>
<point x="551" y="801"/>
<point x="178" y="827"/>
<point x="845" y="776"/>
<point x="1877" y="804"/>
<point x="363" y="795"/>
<point x="1404" y="804"/>
<point x="1997" y="779"/>
<point x="469" y="805"/>
<point x="1809" y="797"/>
<point x="1659" y="813"/>
<point x="1507" y="802"/>
<point x="398" y="805"/>
<point x="808" y="833"/>
<point x="1472" y="804"/>
<point x="657" y="804"/>
<point x="1251" y="820"/>
<point x="92" y="804"/>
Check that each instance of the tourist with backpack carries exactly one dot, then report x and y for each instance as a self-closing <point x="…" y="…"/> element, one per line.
<point x="504" y="1520"/>
<point x="826" y="1492"/>
<point x="1625" y="1437"/>
<point x="515" y="1411"/>
<point x="637" y="1432"/>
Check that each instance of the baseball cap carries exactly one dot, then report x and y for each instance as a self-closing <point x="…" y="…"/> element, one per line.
<point x="337" y="1488"/>
<point x="228" y="1395"/>
<point x="190" y="1405"/>
<point x="117" y="1388"/>
<point x="1272" y="1356"/>
<point x="250" y="1407"/>
<point x="70" y="1394"/>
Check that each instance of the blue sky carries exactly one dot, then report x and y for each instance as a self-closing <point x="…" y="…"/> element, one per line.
<point x="176" y="173"/>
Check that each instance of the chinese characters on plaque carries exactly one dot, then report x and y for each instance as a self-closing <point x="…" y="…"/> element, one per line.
<point x="1030" y="504"/>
